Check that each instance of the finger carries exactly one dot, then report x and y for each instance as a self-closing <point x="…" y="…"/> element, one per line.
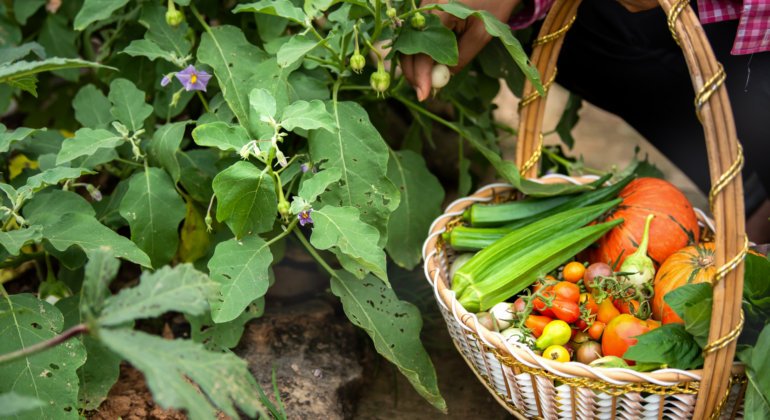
<point x="423" y="65"/>
<point x="407" y="66"/>
<point x="469" y="45"/>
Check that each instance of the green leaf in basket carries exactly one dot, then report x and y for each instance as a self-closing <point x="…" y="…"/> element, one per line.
<point x="670" y="344"/>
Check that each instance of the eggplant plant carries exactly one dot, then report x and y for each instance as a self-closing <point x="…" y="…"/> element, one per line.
<point x="187" y="140"/>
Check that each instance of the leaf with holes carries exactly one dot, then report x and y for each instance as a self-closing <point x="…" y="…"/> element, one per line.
<point x="341" y="227"/>
<point x="421" y="198"/>
<point x="92" y="108"/>
<point x="168" y="365"/>
<point x="227" y="334"/>
<point x="246" y="199"/>
<point x="362" y="155"/>
<point x="240" y="267"/>
<point x="308" y="116"/>
<point x="102" y="367"/>
<point x="154" y="210"/>
<point x="49" y="376"/>
<point x="234" y="60"/>
<point x="128" y="104"/>
<point x="180" y="289"/>
<point x="221" y="135"/>
<point x="86" y="142"/>
<point x="393" y="325"/>
<point x="316" y="185"/>
<point x="165" y="143"/>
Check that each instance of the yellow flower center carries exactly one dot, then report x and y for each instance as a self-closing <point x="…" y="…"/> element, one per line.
<point x="193" y="78"/>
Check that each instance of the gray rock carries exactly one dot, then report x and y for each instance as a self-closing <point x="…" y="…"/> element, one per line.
<point x="318" y="371"/>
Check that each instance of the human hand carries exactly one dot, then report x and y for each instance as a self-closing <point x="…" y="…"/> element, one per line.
<point x="472" y="37"/>
<point x="639" y="5"/>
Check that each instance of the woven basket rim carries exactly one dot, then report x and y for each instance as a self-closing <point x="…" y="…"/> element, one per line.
<point x="437" y="277"/>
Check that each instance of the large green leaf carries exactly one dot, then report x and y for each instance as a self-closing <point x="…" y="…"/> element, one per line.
<point x="500" y="30"/>
<point x="303" y="87"/>
<point x="296" y="48"/>
<point x="282" y="8"/>
<point x="14" y="240"/>
<point x="670" y="344"/>
<point x="168" y="38"/>
<point x="25" y="68"/>
<point x="273" y="78"/>
<point x="92" y="108"/>
<point x="27" y="83"/>
<point x="227" y="334"/>
<point x="101" y="269"/>
<point x="165" y="143"/>
<point x="435" y="39"/>
<point x="569" y="118"/>
<point x="246" y="199"/>
<point x="263" y="103"/>
<point x="86" y="142"/>
<point x="168" y="364"/>
<point x="240" y="267"/>
<point x="58" y="39"/>
<point x="94" y="10"/>
<point x="687" y="294"/>
<point x="149" y="49"/>
<point x="359" y="150"/>
<point x="181" y="289"/>
<point x="396" y="336"/>
<point x="421" y="199"/>
<point x="221" y="135"/>
<point x="86" y="233"/>
<point x="128" y="104"/>
<point x="316" y="185"/>
<point x="12" y="403"/>
<point x="55" y="176"/>
<point x="23" y="9"/>
<point x="102" y="367"/>
<point x="54" y="203"/>
<point x="154" y="210"/>
<point x="9" y="55"/>
<point x="7" y="139"/>
<point x="108" y="210"/>
<point x="341" y="227"/>
<point x="49" y="376"/>
<point x="308" y="116"/>
<point x="10" y="33"/>
<point x="234" y="60"/>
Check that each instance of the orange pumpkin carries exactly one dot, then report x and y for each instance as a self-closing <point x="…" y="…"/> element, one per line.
<point x="674" y="226"/>
<point x="693" y="264"/>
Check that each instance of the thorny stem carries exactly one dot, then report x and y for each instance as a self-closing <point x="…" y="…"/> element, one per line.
<point x="314" y="253"/>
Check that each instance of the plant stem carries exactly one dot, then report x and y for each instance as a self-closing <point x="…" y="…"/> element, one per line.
<point x="422" y="9"/>
<point x="45" y="345"/>
<point x="322" y="61"/>
<point x="7" y="223"/>
<point x="567" y="163"/>
<point x="21" y="259"/>
<point x="355" y="87"/>
<point x="427" y="113"/>
<point x="505" y="128"/>
<point x="200" y="19"/>
<point x="205" y="103"/>
<point x="314" y="253"/>
<point x="377" y="26"/>
<point x="285" y="232"/>
<point x="128" y="162"/>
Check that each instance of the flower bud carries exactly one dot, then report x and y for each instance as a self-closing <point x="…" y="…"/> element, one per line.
<point x="174" y="18"/>
<point x="208" y="221"/>
<point x="391" y="12"/>
<point x="380" y="81"/>
<point x="357" y="62"/>
<point x="95" y="193"/>
<point x="418" y="21"/>
<point x="284" y="208"/>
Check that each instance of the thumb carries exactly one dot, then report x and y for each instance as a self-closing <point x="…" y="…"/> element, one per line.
<point x="423" y="66"/>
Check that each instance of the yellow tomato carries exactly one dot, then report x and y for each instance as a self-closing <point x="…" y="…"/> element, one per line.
<point x="557" y="354"/>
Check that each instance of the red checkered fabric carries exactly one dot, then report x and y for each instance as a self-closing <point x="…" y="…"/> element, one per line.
<point x="753" y="30"/>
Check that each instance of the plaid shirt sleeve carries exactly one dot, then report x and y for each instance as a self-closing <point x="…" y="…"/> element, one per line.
<point x="754" y="27"/>
<point x="753" y="30"/>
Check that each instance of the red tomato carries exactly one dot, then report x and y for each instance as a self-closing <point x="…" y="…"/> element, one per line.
<point x="607" y="312"/>
<point x="537" y="285"/>
<point x="537" y="324"/>
<point x="573" y="333"/>
<point x="587" y="300"/>
<point x="566" y="310"/>
<point x="580" y="325"/>
<point x="540" y="305"/>
<point x="567" y="291"/>
<point x="596" y="330"/>
<point x="617" y="335"/>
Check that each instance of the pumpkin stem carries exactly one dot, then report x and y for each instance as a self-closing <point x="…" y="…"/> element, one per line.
<point x="642" y="250"/>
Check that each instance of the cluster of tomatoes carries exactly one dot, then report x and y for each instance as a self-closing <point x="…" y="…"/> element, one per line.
<point x="609" y="322"/>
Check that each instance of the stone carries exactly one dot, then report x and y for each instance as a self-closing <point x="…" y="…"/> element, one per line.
<point x="317" y="356"/>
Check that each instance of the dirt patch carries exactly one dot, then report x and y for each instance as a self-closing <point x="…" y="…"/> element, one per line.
<point x="130" y="399"/>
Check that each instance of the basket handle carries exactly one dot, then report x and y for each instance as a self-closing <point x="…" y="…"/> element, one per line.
<point x="725" y="162"/>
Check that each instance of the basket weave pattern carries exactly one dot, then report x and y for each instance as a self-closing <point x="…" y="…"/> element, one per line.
<point x="532" y="387"/>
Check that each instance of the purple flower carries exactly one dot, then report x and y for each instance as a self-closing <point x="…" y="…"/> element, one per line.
<point x="315" y="171"/>
<point x="305" y="168"/>
<point x="304" y="217"/>
<point x="193" y="79"/>
<point x="166" y="80"/>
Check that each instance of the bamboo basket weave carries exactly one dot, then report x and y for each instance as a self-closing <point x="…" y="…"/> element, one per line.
<point x="529" y="386"/>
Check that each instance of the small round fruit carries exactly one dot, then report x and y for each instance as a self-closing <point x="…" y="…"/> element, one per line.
<point x="593" y="270"/>
<point x="619" y="334"/>
<point x="573" y="272"/>
<point x="567" y="291"/>
<point x="595" y="331"/>
<point x="557" y="354"/>
<point x="588" y="352"/>
<point x="439" y="76"/>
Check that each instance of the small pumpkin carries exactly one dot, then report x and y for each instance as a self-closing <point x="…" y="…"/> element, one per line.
<point x="692" y="264"/>
<point x="674" y="226"/>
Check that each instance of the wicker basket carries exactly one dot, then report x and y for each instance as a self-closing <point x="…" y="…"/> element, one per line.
<point x="532" y="387"/>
